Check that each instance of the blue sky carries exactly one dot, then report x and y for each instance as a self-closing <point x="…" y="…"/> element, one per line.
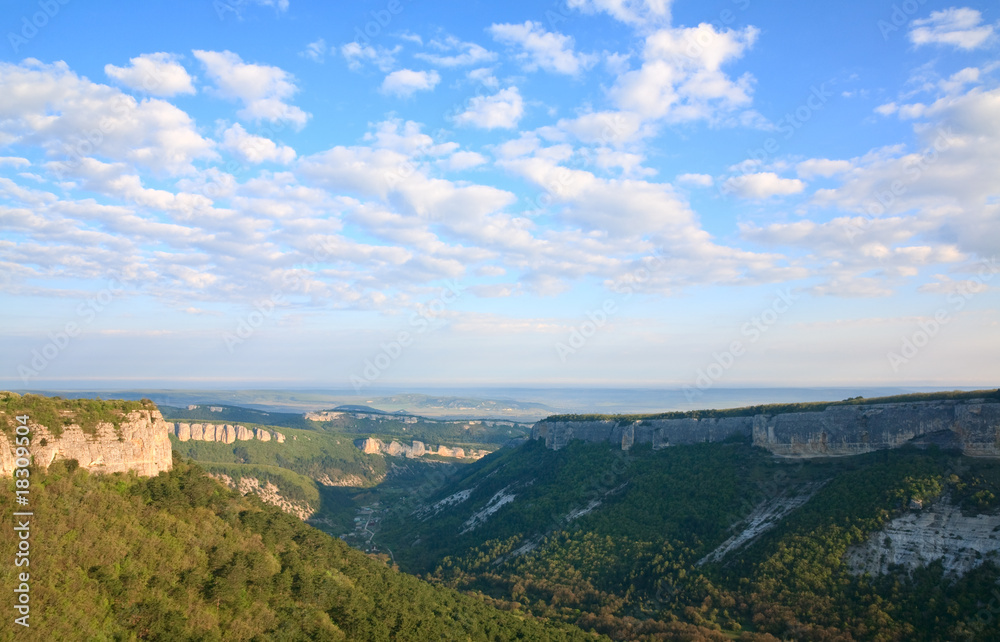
<point x="398" y="193"/>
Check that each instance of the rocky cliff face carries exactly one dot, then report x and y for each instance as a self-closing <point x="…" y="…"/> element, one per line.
<point x="851" y="430"/>
<point x="140" y="443"/>
<point x="225" y="433"/>
<point x="921" y="536"/>
<point x="269" y="494"/>
<point x="973" y="426"/>
<point x="417" y="449"/>
<point x="659" y="432"/>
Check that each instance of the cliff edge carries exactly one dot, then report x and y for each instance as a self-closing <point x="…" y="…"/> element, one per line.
<point x="134" y="440"/>
<point x="971" y="425"/>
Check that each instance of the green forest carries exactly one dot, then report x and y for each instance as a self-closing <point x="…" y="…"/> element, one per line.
<point x="587" y="542"/>
<point x="629" y="568"/>
<point x="180" y="557"/>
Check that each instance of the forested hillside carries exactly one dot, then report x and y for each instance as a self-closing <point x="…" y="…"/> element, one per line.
<point x="180" y="557"/>
<point x="622" y="542"/>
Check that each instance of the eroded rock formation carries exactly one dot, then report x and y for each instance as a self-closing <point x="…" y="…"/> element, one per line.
<point x="140" y="443"/>
<point x="972" y="426"/>
<point x="224" y="433"/>
<point x="373" y="446"/>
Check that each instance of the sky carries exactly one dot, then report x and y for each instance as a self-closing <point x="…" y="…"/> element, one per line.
<point x="585" y="192"/>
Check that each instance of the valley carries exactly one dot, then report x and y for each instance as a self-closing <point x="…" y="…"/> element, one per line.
<point x="699" y="531"/>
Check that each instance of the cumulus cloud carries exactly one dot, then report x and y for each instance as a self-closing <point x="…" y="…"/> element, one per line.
<point x="263" y="89"/>
<point x="316" y="50"/>
<point x="825" y="167"/>
<point x="541" y="49"/>
<point x="605" y="127"/>
<point x="638" y="13"/>
<point x="698" y="180"/>
<point x="501" y="110"/>
<point x="485" y="76"/>
<point x="255" y="149"/>
<point x="157" y="74"/>
<point x="357" y="55"/>
<point x="50" y="106"/>
<point x="957" y="27"/>
<point x="464" y="160"/>
<point x="681" y="77"/>
<point x="406" y="82"/>
<point x="762" y="185"/>
<point x="455" y="53"/>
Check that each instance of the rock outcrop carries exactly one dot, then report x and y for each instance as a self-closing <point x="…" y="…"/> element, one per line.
<point x="140" y="443"/>
<point x="921" y="536"/>
<point x="224" y="433"/>
<point x="970" y="425"/>
<point x="373" y="446"/>
<point x="268" y="493"/>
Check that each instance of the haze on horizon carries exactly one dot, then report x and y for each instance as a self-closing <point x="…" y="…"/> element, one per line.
<point x="392" y="194"/>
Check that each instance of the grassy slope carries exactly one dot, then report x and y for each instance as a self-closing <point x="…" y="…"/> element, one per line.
<point x="306" y="452"/>
<point x="179" y="557"/>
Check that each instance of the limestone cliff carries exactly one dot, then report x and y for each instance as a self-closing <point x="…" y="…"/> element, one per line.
<point x="224" y="433"/>
<point x="268" y="493"/>
<point x="372" y="446"/>
<point x="972" y="425"/>
<point x="938" y="532"/>
<point x="139" y="443"/>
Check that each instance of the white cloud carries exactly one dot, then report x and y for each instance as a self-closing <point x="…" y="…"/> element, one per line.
<point x="157" y="74"/>
<point x="958" y="27"/>
<point x="681" y="77"/>
<point x="406" y="138"/>
<point x="604" y="127"/>
<point x="638" y="13"/>
<point x="542" y="49"/>
<point x="698" y="180"/>
<point x="629" y="163"/>
<point x="16" y="161"/>
<point x="50" y="106"/>
<point x="357" y="54"/>
<point x="501" y="110"/>
<point x="279" y="5"/>
<point x="406" y="82"/>
<point x="946" y="185"/>
<point x="485" y="76"/>
<point x="945" y="285"/>
<point x="255" y="149"/>
<point x="762" y="185"/>
<point x="262" y="89"/>
<point x="315" y="51"/>
<point x="464" y="160"/>
<point x="822" y="167"/>
<point x="468" y="53"/>
<point x="888" y="109"/>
